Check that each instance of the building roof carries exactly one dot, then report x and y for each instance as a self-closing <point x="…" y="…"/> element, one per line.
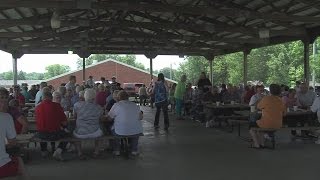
<point x="102" y="62"/>
<point x="154" y="27"/>
<point x="9" y="83"/>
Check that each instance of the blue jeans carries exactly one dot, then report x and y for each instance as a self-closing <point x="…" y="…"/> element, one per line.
<point x="179" y="104"/>
<point x="133" y="143"/>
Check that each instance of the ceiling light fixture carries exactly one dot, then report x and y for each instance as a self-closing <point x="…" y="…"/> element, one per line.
<point x="264" y="33"/>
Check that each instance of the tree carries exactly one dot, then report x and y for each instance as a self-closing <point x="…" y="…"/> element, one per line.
<point x="34" y="76"/>
<point x="55" y="70"/>
<point x="192" y="67"/>
<point x="167" y="71"/>
<point x="127" y="59"/>
<point x="8" y="75"/>
<point x="22" y="75"/>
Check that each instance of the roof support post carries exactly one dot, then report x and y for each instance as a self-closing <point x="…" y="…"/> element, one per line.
<point x="83" y="69"/>
<point x="15" y="57"/>
<point x="151" y="69"/>
<point x="83" y="55"/>
<point x="151" y="56"/>
<point x="306" y="62"/>
<point x="245" y="66"/>
<point x="15" y="71"/>
<point x="210" y="58"/>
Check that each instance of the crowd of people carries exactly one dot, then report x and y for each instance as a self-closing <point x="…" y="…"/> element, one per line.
<point x="98" y="109"/>
<point x="104" y="107"/>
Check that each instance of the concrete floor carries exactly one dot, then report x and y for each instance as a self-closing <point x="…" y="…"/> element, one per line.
<point x="189" y="151"/>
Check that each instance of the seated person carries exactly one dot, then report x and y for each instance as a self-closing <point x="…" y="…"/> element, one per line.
<point x="50" y="120"/>
<point x="305" y="97"/>
<point x="258" y="96"/>
<point x="88" y="115"/>
<point x="231" y="95"/>
<point x="113" y="100"/>
<point x="290" y="99"/>
<point x="273" y="111"/>
<point x="101" y="96"/>
<point x="20" y="121"/>
<point x="212" y="96"/>
<point x="127" y="116"/>
<point x="75" y="97"/>
<point x="9" y="166"/>
<point x="18" y="96"/>
<point x="65" y="99"/>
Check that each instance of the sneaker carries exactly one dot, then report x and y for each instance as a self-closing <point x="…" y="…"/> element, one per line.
<point x="134" y="153"/>
<point x="116" y="153"/>
<point x="57" y="155"/>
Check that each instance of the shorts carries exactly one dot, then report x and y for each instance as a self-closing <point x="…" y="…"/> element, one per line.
<point x="95" y="134"/>
<point x="10" y="169"/>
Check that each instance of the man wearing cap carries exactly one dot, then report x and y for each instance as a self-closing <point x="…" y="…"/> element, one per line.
<point x="104" y="81"/>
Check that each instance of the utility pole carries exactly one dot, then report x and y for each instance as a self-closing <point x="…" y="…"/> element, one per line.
<point x="315" y="59"/>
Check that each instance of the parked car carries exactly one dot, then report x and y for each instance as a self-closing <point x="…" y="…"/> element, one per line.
<point x="132" y="88"/>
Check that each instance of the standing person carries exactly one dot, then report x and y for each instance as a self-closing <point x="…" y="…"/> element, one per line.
<point x="90" y="82"/>
<point x="151" y="94"/>
<point x="72" y="83"/>
<point x="161" y="101"/>
<point x="143" y="95"/>
<point x="172" y="101"/>
<point x="104" y="81"/>
<point x="9" y="166"/>
<point x="203" y="82"/>
<point x="38" y="98"/>
<point x="179" y="94"/>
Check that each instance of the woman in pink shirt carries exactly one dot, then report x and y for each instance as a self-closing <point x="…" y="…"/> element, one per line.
<point x="290" y="100"/>
<point x="101" y="95"/>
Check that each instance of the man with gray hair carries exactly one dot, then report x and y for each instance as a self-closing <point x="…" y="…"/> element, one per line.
<point x="305" y="97"/>
<point x="39" y="93"/>
<point x="50" y="119"/>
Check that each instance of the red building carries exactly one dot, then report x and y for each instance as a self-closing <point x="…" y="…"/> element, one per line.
<point x="108" y="68"/>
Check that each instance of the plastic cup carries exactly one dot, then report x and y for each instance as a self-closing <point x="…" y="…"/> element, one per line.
<point x="252" y="108"/>
<point x="295" y="108"/>
<point x="67" y="114"/>
<point x="232" y="102"/>
<point x="218" y="103"/>
<point x="288" y="109"/>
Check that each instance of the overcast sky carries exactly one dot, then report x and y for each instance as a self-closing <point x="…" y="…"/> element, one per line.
<point x="37" y="62"/>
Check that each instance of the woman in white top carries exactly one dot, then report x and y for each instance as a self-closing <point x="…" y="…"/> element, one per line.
<point x="127" y="116"/>
<point x="88" y="116"/>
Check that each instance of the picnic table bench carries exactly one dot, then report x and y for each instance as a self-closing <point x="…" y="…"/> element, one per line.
<point x="25" y="139"/>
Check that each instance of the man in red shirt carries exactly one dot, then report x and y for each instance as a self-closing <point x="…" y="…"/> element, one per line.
<point x="50" y="120"/>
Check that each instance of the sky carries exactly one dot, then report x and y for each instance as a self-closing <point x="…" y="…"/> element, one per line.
<point x="37" y="62"/>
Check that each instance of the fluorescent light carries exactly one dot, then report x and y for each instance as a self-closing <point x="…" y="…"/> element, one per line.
<point x="55" y="21"/>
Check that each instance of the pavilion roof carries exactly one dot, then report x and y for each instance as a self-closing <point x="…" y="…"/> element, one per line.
<point x="154" y="27"/>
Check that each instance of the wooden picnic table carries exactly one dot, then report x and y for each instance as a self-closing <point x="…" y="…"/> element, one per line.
<point x="227" y="106"/>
